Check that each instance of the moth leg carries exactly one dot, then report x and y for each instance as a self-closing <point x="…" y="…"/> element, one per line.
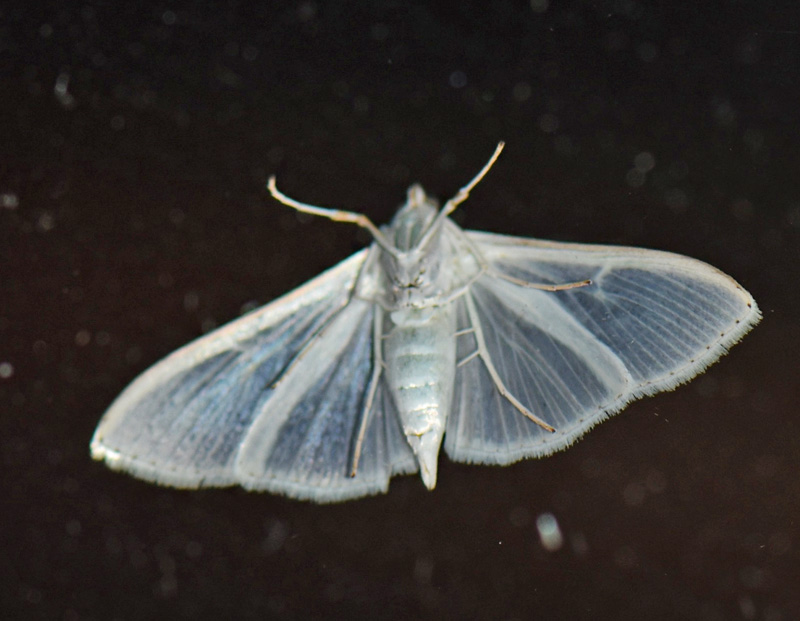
<point x="466" y="359"/>
<point x="541" y="286"/>
<point x="483" y="352"/>
<point x="377" y="369"/>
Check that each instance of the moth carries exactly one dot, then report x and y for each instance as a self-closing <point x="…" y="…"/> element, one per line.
<point x="499" y="347"/>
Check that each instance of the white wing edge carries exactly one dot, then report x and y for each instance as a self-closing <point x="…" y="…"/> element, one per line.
<point x="495" y="246"/>
<point x="341" y="275"/>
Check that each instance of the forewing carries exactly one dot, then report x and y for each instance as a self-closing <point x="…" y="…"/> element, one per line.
<point x="184" y="421"/>
<point x="649" y="321"/>
<point x="302" y="444"/>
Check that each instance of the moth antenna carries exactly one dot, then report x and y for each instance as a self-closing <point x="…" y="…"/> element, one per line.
<point x="337" y="215"/>
<point x="462" y="195"/>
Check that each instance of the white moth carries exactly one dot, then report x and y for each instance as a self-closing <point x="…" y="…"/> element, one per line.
<point x="504" y="347"/>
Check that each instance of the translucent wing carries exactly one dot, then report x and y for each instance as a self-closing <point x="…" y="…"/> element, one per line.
<point x="302" y="443"/>
<point x="243" y="406"/>
<point x="649" y="321"/>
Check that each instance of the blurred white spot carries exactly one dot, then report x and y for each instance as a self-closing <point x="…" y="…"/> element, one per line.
<point x="753" y="138"/>
<point x="579" y="544"/>
<point x="779" y="543"/>
<point x="276" y="537"/>
<point x="458" y="79"/>
<point x="169" y="17"/>
<point x="194" y="549"/>
<point x="644" y="162"/>
<point x="249" y="53"/>
<point x="99" y="59"/>
<point x="548" y="123"/>
<point x="191" y="301"/>
<point x="625" y="557"/>
<point x="750" y="51"/>
<point x="539" y="6"/>
<point x="707" y="386"/>
<point x="748" y="607"/>
<point x="635" y="178"/>
<point x="656" y="482"/>
<point x="724" y="113"/>
<point x="676" y="200"/>
<point x="751" y="577"/>
<point x="379" y="31"/>
<point x="83" y="338"/>
<point x="361" y="104"/>
<point x="73" y="528"/>
<point x="549" y="532"/>
<point x="177" y="216"/>
<point x="521" y="91"/>
<point x="61" y="92"/>
<point x="9" y="200"/>
<point x="634" y="494"/>
<point x="423" y="570"/>
<point x="46" y="222"/>
<point x="647" y="51"/>
<point x="132" y="356"/>
<point x="165" y="280"/>
<point x="6" y="370"/>
<point x="306" y="11"/>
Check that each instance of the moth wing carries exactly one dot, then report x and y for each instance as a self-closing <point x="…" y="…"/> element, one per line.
<point x="302" y="443"/>
<point x="648" y="321"/>
<point x="187" y="420"/>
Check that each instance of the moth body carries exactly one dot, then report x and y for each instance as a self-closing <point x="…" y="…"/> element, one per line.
<point x="423" y="272"/>
<point x="419" y="352"/>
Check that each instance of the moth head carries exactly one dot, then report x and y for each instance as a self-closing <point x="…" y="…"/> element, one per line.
<point x="411" y="223"/>
<point x="413" y="261"/>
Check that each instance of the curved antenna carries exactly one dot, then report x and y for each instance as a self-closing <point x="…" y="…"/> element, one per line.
<point x="337" y="215"/>
<point x="462" y="195"/>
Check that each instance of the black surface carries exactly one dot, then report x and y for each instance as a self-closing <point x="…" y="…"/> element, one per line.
<point x="135" y="218"/>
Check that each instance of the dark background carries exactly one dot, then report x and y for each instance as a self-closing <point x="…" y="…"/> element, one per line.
<point x="136" y="141"/>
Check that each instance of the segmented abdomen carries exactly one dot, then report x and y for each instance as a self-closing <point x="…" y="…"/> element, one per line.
<point x="419" y="351"/>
